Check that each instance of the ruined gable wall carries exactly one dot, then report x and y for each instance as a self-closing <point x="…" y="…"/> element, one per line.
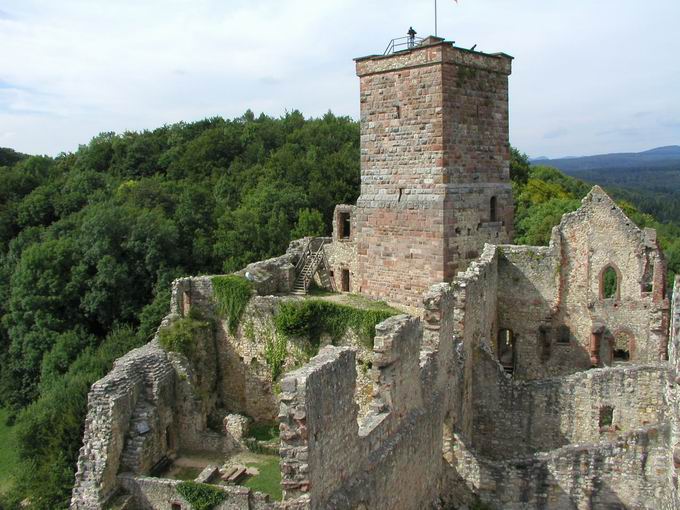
<point x="598" y="235"/>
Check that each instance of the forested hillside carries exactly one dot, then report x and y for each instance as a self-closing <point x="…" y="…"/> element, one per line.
<point x="90" y="241"/>
<point x="650" y="179"/>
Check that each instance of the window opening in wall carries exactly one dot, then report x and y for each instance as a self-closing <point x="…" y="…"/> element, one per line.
<point x="345" y="225"/>
<point x="621" y="356"/>
<point x="564" y="336"/>
<point x="401" y="191"/>
<point x="397" y="111"/>
<point x="621" y="348"/>
<point x="186" y="303"/>
<point x="506" y="350"/>
<point x="609" y="284"/>
<point x="345" y="280"/>
<point x="493" y="216"/>
<point x="544" y="342"/>
<point x="606" y="416"/>
<point x="169" y="439"/>
<point x="647" y="279"/>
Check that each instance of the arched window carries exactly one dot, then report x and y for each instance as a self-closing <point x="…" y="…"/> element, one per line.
<point x="609" y="283"/>
<point x="493" y="212"/>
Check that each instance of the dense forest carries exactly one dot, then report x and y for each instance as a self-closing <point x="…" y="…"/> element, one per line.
<point x="90" y="241"/>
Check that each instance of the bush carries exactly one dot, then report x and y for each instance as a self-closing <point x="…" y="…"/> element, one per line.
<point x="180" y="336"/>
<point x="232" y="294"/>
<point x="200" y="496"/>
<point x="313" y="318"/>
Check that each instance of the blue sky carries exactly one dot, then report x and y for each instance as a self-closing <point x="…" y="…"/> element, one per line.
<point x="589" y="76"/>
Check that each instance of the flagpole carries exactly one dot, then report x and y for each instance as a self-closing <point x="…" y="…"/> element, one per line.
<point x="435" y="18"/>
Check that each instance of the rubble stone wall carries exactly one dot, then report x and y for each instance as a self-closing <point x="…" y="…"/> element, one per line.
<point x="160" y="494"/>
<point x="142" y="375"/>
<point x="629" y="473"/>
<point x="520" y="418"/>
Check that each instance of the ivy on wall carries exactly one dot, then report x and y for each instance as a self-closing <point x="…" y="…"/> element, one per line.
<point x="232" y="294"/>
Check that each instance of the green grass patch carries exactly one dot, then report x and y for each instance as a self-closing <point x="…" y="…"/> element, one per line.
<point x="200" y="495"/>
<point x="268" y="480"/>
<point x="313" y="318"/>
<point x="180" y="336"/>
<point x="9" y="457"/>
<point x="232" y="294"/>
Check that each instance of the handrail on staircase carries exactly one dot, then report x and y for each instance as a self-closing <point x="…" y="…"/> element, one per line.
<point x="300" y="264"/>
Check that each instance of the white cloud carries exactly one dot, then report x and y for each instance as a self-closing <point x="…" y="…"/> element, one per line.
<point x="77" y="67"/>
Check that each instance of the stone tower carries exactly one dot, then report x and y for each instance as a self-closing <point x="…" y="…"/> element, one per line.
<point x="435" y="155"/>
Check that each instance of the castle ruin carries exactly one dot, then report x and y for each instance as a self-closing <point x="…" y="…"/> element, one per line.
<point x="521" y="377"/>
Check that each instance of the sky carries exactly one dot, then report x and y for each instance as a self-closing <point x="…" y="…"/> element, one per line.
<point x="589" y="76"/>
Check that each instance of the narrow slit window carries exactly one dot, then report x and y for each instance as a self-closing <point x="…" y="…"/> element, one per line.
<point x="345" y="225"/>
<point x="493" y="212"/>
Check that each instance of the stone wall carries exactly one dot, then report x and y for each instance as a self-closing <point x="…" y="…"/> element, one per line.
<point x="392" y="458"/>
<point x="629" y="473"/>
<point x="674" y="343"/>
<point x="161" y="494"/>
<point x="519" y="418"/>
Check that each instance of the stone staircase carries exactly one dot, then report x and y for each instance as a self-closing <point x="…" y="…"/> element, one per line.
<point x="312" y="261"/>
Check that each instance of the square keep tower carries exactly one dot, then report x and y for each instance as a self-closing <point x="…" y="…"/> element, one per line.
<point x="435" y="156"/>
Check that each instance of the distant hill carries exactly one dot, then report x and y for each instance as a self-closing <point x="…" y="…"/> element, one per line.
<point x="649" y="179"/>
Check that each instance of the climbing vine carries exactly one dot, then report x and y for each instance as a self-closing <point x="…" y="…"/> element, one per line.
<point x="200" y="496"/>
<point x="313" y="318"/>
<point x="275" y="352"/>
<point x="232" y="294"/>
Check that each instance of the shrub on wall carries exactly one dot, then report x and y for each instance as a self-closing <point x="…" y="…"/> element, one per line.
<point x="232" y="294"/>
<point x="313" y="318"/>
<point x="200" y="496"/>
<point x="180" y="336"/>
